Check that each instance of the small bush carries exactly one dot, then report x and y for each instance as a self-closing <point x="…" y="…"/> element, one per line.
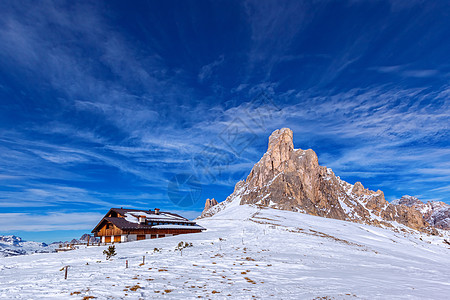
<point x="182" y="245"/>
<point x="110" y="252"/>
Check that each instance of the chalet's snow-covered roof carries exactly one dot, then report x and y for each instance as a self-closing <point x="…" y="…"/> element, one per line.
<point x="163" y="220"/>
<point x="134" y="217"/>
<point x="174" y="226"/>
<point x="123" y="211"/>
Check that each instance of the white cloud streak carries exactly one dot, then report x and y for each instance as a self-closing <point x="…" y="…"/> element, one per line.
<point x="48" y="222"/>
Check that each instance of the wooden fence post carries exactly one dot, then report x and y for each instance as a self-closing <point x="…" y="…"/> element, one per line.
<point x="65" y="275"/>
<point x="143" y="259"/>
<point x="126" y="264"/>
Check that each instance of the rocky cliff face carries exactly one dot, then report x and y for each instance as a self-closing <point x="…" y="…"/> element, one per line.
<point x="292" y="179"/>
<point x="209" y="203"/>
<point x="435" y="213"/>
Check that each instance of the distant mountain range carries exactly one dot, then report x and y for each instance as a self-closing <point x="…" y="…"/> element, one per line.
<point x="292" y="179"/>
<point x="11" y="245"/>
<point x="84" y="239"/>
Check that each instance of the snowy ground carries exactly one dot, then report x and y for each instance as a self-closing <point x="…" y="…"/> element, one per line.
<point x="261" y="253"/>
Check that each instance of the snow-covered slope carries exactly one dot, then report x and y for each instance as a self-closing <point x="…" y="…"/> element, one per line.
<point x="247" y="252"/>
<point x="11" y="245"/>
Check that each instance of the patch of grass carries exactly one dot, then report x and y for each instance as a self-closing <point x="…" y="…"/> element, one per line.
<point x="162" y="270"/>
<point x="250" y="280"/>
<point x="135" y="288"/>
<point x="75" y="293"/>
<point x="168" y="291"/>
<point x="88" y="297"/>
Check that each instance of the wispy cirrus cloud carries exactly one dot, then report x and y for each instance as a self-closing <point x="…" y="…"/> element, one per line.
<point x="102" y="113"/>
<point x="404" y="70"/>
<point x="207" y="70"/>
<point x="10" y="222"/>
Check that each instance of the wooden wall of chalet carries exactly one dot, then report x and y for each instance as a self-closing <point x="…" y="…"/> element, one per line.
<point x="161" y="231"/>
<point x="116" y="231"/>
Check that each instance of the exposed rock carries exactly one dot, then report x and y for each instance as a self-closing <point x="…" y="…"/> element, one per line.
<point x="209" y="203"/>
<point x="292" y="179"/>
<point x="435" y="213"/>
<point x="88" y="238"/>
<point x="84" y="239"/>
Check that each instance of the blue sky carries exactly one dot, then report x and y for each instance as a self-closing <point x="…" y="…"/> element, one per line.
<point x="110" y="103"/>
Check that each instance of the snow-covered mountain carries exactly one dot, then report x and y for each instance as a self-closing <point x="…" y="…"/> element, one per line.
<point x="292" y="179"/>
<point x="435" y="213"/>
<point x="84" y="239"/>
<point x="247" y="252"/>
<point x="11" y="245"/>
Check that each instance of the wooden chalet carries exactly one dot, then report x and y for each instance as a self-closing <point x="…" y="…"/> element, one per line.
<point x="125" y="225"/>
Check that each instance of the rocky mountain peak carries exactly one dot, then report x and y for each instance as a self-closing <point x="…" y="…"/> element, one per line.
<point x="11" y="240"/>
<point x="283" y="139"/>
<point x="292" y="179"/>
<point x="408" y="201"/>
<point x="210" y="203"/>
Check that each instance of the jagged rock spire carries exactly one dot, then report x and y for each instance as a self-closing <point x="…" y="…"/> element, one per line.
<point x="292" y="179"/>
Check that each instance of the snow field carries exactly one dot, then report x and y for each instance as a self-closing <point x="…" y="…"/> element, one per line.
<point x="246" y="253"/>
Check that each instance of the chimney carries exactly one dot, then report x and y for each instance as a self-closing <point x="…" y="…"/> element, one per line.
<point x="141" y="219"/>
<point x="156" y="211"/>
